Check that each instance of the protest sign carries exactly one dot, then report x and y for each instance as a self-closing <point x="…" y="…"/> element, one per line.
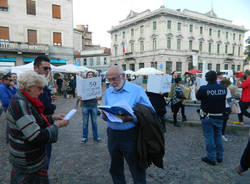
<point x="159" y="83"/>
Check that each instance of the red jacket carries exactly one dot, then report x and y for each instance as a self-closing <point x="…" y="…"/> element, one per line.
<point x="245" y="96"/>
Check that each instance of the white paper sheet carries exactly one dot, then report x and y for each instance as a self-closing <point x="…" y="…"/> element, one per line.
<point x="70" y="114"/>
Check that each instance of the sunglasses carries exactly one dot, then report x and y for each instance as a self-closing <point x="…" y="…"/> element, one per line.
<point x="46" y="68"/>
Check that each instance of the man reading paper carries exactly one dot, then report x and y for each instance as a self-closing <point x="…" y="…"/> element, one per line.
<point x="121" y="136"/>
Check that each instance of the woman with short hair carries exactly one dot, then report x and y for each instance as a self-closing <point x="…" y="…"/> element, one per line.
<point x="30" y="130"/>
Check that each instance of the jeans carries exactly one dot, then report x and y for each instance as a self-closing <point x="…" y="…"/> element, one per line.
<point x="92" y="111"/>
<point x="64" y="93"/>
<point x="212" y="129"/>
<point x="48" y="153"/>
<point x="122" y="144"/>
<point x="175" y="110"/>
<point x="245" y="158"/>
<point x="243" y="107"/>
<point x="226" y="115"/>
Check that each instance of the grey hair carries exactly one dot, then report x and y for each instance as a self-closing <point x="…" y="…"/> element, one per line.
<point x="117" y="68"/>
<point x="28" y="79"/>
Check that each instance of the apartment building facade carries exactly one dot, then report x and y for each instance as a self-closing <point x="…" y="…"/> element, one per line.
<point x="29" y="28"/>
<point x="169" y="40"/>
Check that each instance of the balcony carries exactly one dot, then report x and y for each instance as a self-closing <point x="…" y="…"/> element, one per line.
<point x="22" y="47"/>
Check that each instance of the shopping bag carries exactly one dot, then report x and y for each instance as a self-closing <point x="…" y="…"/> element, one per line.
<point x="235" y="108"/>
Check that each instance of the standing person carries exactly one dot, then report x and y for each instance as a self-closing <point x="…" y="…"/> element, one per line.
<point x="176" y="102"/>
<point x="30" y="131"/>
<point x="72" y="84"/>
<point x="212" y="96"/>
<point x="42" y="67"/>
<point x="219" y="77"/>
<point x="244" y="161"/>
<point x="121" y="136"/>
<point x="14" y="79"/>
<point x="59" y="82"/>
<point x="65" y="86"/>
<point x="245" y="96"/>
<point x="227" y="112"/>
<point x="174" y="76"/>
<point x="89" y="107"/>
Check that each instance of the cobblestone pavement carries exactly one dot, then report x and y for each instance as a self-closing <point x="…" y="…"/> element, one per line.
<point x="76" y="163"/>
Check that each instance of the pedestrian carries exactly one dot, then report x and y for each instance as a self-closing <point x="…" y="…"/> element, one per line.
<point x="89" y="108"/>
<point x="65" y="87"/>
<point x="244" y="103"/>
<point x="121" y="136"/>
<point x="212" y="97"/>
<point x="244" y="161"/>
<point x="42" y="67"/>
<point x="174" y="76"/>
<point x="72" y="85"/>
<point x="219" y="77"/>
<point x="227" y="83"/>
<point x="177" y="102"/>
<point x="30" y="131"/>
<point x="14" y="79"/>
<point x="59" y="82"/>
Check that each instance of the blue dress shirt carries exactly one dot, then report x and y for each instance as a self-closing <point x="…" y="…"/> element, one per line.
<point x="130" y="92"/>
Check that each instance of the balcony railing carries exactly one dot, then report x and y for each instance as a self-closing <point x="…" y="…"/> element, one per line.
<point x="9" y="46"/>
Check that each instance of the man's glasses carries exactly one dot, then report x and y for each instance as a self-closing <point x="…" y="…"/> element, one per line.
<point x="46" y="68"/>
<point x="114" y="78"/>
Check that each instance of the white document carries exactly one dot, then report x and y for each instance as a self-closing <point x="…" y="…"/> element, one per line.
<point x="112" y="117"/>
<point x="159" y="83"/>
<point x="89" y="88"/>
<point x="70" y="114"/>
<point x="200" y="82"/>
<point x="138" y="81"/>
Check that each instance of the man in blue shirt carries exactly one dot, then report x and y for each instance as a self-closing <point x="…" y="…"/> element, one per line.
<point x="121" y="136"/>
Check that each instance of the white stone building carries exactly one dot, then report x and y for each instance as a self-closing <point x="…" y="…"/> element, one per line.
<point x="30" y="27"/>
<point x="166" y="39"/>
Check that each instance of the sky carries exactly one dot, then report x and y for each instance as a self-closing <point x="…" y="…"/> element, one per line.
<point x="101" y="15"/>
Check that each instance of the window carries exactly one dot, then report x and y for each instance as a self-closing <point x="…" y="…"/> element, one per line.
<point x="218" y="34"/>
<point x="32" y="36"/>
<point x="209" y="48"/>
<point x="226" y="35"/>
<point x="201" y="30"/>
<point x="4" y="33"/>
<point x="57" y="38"/>
<point x="234" y="36"/>
<point x="123" y="34"/>
<point x="190" y="28"/>
<point x="238" y="67"/>
<point x="190" y="66"/>
<point x="178" y="44"/>
<point x="200" y="46"/>
<point x="132" y="32"/>
<point x="218" y="48"/>
<point x="217" y="67"/>
<point x="141" y="46"/>
<point x="239" y="37"/>
<point x="116" y="51"/>
<point x="31" y="7"/>
<point x="124" y="67"/>
<point x="190" y="45"/>
<point x="226" y="67"/>
<point x="239" y="51"/>
<point x="115" y="37"/>
<point x="154" y="25"/>
<point x="233" y="50"/>
<point x="210" y="32"/>
<point x="154" y="64"/>
<point x="200" y="66"/>
<point x="105" y="61"/>
<point x="233" y="67"/>
<point x="56" y="11"/>
<point x="132" y="47"/>
<point x="169" y="24"/>
<point x="3" y="5"/>
<point x="209" y="66"/>
<point x="141" y="65"/>
<point x="132" y="67"/>
<point x="154" y="44"/>
<point x="168" y="67"/>
<point x="98" y="60"/>
<point x="85" y="62"/>
<point x="169" y="43"/>
<point x="141" y="29"/>
<point x="179" y="26"/>
<point x="178" y="66"/>
<point x="226" y="49"/>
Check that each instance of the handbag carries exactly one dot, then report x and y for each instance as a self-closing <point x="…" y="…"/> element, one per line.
<point x="235" y="108"/>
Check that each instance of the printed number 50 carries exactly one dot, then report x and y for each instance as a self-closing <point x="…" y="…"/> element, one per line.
<point x="92" y="84"/>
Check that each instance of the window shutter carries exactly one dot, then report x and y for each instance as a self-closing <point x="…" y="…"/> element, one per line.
<point x="32" y="36"/>
<point x="57" y="38"/>
<point x="31" y="7"/>
<point x="4" y="33"/>
<point x="4" y="3"/>
<point x="56" y="11"/>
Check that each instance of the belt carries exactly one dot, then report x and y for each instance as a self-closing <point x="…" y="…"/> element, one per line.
<point x="218" y="114"/>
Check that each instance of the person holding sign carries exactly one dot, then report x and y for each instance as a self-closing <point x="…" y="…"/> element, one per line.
<point x="121" y="136"/>
<point x="89" y="107"/>
<point x="30" y="130"/>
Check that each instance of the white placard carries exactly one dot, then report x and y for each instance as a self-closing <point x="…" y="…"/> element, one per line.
<point x="89" y="88"/>
<point x="159" y="83"/>
<point x="200" y="82"/>
<point x="138" y="81"/>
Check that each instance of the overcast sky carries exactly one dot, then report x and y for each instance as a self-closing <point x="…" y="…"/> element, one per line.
<point x="101" y="15"/>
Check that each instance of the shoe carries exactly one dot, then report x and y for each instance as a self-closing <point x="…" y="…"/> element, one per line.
<point x="219" y="160"/>
<point x="98" y="139"/>
<point x="224" y="138"/>
<point x="184" y="118"/>
<point x="238" y="123"/>
<point x="237" y="169"/>
<point x="84" y="140"/>
<point x="210" y="162"/>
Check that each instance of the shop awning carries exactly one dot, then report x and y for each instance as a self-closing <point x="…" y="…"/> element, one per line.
<point x="7" y="59"/>
<point x="52" y="60"/>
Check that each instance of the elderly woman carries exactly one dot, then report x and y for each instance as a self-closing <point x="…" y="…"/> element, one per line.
<point x="30" y="130"/>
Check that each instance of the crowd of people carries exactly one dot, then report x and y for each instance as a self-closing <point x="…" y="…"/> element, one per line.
<point x="32" y="127"/>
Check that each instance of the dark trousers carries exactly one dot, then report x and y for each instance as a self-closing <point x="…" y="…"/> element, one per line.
<point x="122" y="144"/>
<point x="245" y="158"/>
<point x="226" y="115"/>
<point x="60" y="90"/>
<point x="243" y="107"/>
<point x="175" y="110"/>
<point x="48" y="153"/>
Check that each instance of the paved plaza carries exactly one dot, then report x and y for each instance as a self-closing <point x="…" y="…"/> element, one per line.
<point x="76" y="163"/>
